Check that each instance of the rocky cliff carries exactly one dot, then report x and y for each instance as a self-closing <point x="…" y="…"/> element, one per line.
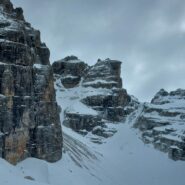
<point x="92" y="97"/>
<point x="29" y="114"/>
<point x="162" y="123"/>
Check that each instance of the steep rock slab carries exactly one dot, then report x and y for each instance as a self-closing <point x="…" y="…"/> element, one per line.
<point x="29" y="114"/>
<point x="162" y="123"/>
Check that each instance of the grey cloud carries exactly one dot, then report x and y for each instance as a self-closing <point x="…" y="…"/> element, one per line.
<point x="147" y="35"/>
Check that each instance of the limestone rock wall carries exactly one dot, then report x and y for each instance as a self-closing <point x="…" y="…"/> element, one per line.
<point x="29" y="114"/>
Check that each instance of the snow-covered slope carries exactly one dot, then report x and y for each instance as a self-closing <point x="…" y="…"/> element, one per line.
<point x="10" y="175"/>
<point x="121" y="160"/>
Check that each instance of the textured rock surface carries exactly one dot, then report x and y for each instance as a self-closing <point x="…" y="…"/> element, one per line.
<point x="97" y="98"/>
<point x="29" y="114"/>
<point x="104" y="74"/>
<point x="71" y="70"/>
<point x="81" y="121"/>
<point x="162" y="123"/>
<point x="109" y="105"/>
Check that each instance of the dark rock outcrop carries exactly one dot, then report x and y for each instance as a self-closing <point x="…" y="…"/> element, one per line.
<point x="104" y="74"/>
<point x="71" y="70"/>
<point x="162" y="123"/>
<point x="111" y="106"/>
<point x="29" y="114"/>
<point x="82" y="121"/>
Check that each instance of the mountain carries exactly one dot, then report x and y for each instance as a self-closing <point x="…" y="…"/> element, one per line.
<point x="93" y="97"/>
<point x="108" y="136"/>
<point x="162" y="123"/>
<point x="96" y="100"/>
<point x="29" y="114"/>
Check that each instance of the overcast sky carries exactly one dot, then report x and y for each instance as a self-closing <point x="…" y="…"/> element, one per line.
<point x="147" y="35"/>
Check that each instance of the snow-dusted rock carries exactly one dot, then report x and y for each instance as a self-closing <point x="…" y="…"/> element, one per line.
<point x="98" y="98"/>
<point x="29" y="116"/>
<point x="162" y="123"/>
<point x="110" y="105"/>
<point x="71" y="70"/>
<point x="104" y="74"/>
<point x="78" y="121"/>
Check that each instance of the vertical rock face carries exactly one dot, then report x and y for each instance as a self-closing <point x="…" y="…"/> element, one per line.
<point x="29" y="114"/>
<point x="104" y="74"/>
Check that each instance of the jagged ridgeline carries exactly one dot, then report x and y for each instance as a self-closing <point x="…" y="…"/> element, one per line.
<point x="29" y="115"/>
